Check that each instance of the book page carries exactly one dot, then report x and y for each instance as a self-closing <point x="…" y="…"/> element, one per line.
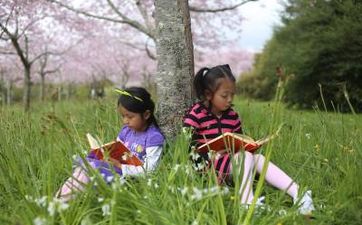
<point x="93" y="143"/>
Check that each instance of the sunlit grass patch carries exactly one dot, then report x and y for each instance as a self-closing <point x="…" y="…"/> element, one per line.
<point x="322" y="151"/>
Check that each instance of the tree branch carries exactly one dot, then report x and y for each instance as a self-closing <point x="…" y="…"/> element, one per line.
<point x="130" y="22"/>
<point x="14" y="41"/>
<point x="149" y="53"/>
<point x="143" y="12"/>
<point x="124" y="20"/>
<point x="43" y="54"/>
<point x="200" y="10"/>
<point x="7" y="53"/>
<point x="29" y="25"/>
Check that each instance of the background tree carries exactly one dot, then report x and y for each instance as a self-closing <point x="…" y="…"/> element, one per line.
<point x="319" y="43"/>
<point x="43" y="71"/>
<point x="21" y="32"/>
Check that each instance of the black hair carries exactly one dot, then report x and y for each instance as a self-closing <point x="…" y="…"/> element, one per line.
<point x="206" y="79"/>
<point x="138" y="100"/>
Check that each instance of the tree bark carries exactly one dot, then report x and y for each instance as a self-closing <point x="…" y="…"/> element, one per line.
<point x="175" y="67"/>
<point x="27" y="88"/>
<point x="42" y="87"/>
<point x="9" y="88"/>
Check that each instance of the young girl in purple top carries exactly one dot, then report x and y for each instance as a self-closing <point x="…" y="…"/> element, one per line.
<point x="140" y="134"/>
<point x="214" y="115"/>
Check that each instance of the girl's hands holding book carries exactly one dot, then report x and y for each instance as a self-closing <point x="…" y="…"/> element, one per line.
<point x="115" y="162"/>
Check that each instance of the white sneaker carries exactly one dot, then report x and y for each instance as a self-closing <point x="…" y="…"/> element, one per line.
<point x="260" y="201"/>
<point x="305" y="203"/>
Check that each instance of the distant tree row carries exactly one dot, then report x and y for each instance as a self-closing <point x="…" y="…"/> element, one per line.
<point x="318" y="49"/>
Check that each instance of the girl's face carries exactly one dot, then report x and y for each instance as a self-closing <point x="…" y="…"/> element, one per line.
<point x="135" y="121"/>
<point x="222" y="98"/>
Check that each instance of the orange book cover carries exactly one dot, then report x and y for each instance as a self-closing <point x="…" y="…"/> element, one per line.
<point x="115" y="150"/>
<point x="235" y="142"/>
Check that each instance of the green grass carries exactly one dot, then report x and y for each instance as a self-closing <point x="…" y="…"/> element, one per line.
<point x="319" y="150"/>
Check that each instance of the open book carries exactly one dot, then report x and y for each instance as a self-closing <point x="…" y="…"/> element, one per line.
<point x="115" y="150"/>
<point x="235" y="142"/>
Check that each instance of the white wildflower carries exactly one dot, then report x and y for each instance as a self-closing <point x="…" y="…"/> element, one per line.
<point x="149" y="182"/>
<point x="187" y="132"/>
<point x="106" y="209"/>
<point x="116" y="185"/>
<point x="308" y="135"/>
<point x="195" y="222"/>
<point x="109" y="179"/>
<point x="156" y="185"/>
<point x="197" y="195"/>
<point x="100" y="199"/>
<point x="41" y="201"/>
<point x="214" y="189"/>
<point x="40" y="221"/>
<point x="225" y="190"/>
<point x="51" y="208"/>
<point x="122" y="180"/>
<point x="29" y="198"/>
<point x="56" y="205"/>
<point x="282" y="212"/>
<point x="176" y="167"/>
<point x="63" y="206"/>
<point x="184" y="191"/>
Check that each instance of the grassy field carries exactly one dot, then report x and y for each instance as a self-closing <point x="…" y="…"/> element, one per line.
<point x="321" y="151"/>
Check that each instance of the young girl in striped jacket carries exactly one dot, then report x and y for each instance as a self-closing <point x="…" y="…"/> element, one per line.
<point x="214" y="115"/>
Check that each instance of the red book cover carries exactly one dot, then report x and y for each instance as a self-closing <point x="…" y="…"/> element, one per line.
<point x="115" y="150"/>
<point x="233" y="142"/>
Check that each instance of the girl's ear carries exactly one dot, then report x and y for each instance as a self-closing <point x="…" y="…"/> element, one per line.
<point x="208" y="95"/>
<point x="147" y="114"/>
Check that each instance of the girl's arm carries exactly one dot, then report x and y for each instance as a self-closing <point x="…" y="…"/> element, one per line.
<point x="153" y="155"/>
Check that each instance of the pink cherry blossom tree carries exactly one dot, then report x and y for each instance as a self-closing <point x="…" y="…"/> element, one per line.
<point x="20" y="30"/>
<point x="165" y="29"/>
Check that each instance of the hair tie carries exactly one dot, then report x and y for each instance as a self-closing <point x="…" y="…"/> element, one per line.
<point x="206" y="70"/>
<point x="126" y="93"/>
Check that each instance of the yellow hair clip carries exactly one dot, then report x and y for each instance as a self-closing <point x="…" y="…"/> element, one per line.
<point x="123" y="92"/>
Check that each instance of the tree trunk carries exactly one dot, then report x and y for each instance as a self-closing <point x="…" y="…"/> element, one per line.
<point x="60" y="89"/>
<point x="27" y="88"/>
<point x="9" y="88"/>
<point x="69" y="90"/>
<point x="42" y="87"/>
<point x="175" y="67"/>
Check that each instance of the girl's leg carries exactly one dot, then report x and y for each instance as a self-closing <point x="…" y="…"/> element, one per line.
<point x="74" y="183"/>
<point x="246" y="189"/>
<point x="276" y="177"/>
